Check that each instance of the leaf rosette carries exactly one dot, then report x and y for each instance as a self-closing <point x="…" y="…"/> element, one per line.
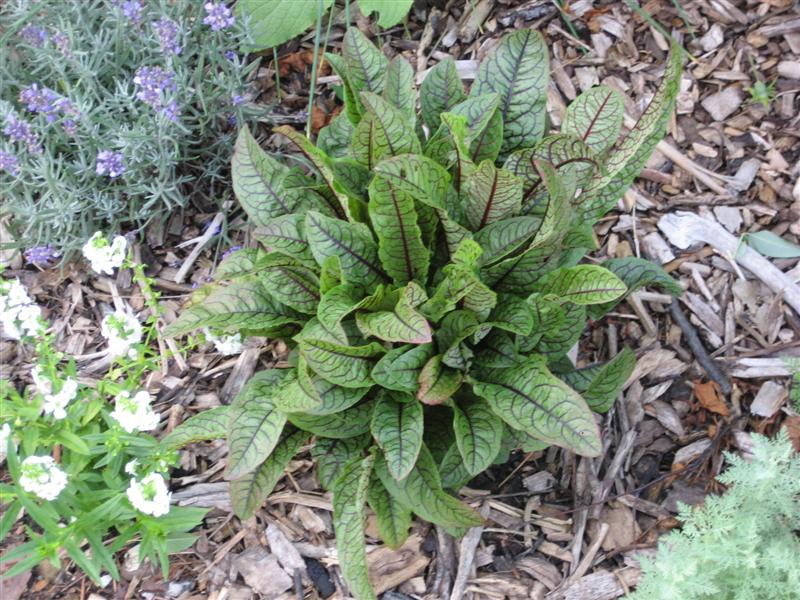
<point x="429" y="281"/>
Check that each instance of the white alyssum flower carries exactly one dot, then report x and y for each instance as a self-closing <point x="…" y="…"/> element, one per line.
<point x="5" y="433"/>
<point x="19" y="315"/>
<point x="135" y="413"/>
<point x="55" y="404"/>
<point x="105" y="256"/>
<point x="122" y="330"/>
<point x="43" y="384"/>
<point x="225" y="344"/>
<point x="41" y="475"/>
<point x="130" y="466"/>
<point x="150" y="495"/>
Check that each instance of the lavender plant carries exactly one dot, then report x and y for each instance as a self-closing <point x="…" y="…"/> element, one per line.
<point x="88" y="478"/>
<point x="114" y="112"/>
<point x="429" y="282"/>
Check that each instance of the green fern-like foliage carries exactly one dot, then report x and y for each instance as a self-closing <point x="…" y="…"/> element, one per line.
<point x="427" y="277"/>
<point x="743" y="544"/>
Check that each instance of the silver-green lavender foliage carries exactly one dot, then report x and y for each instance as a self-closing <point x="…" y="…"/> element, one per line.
<point x="743" y="544"/>
<point x="114" y="113"/>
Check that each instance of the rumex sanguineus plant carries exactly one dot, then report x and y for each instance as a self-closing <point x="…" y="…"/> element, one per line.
<point x="427" y="276"/>
<point x="114" y="113"/>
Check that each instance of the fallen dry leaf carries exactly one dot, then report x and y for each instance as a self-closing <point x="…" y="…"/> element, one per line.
<point x="792" y="425"/>
<point x="711" y="398"/>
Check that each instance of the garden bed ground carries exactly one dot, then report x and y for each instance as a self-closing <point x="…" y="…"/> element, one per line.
<point x="708" y="374"/>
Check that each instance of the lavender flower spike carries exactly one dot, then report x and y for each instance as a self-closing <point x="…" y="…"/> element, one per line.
<point x="109" y="163"/>
<point x="40" y="99"/>
<point x="41" y="255"/>
<point x="20" y="131"/>
<point x="219" y="16"/>
<point x="9" y="163"/>
<point x="151" y="83"/>
<point x="33" y="34"/>
<point x="167" y="32"/>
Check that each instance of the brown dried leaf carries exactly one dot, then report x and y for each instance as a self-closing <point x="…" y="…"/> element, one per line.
<point x="711" y="398"/>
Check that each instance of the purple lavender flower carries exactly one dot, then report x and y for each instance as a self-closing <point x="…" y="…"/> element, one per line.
<point x="172" y="111"/>
<point x="132" y="9"/>
<point x="9" y="163"/>
<point x="41" y="255"/>
<point x="70" y="126"/>
<point x="230" y="251"/>
<point x="219" y="16"/>
<point x="230" y="55"/>
<point x="237" y="99"/>
<point x="167" y="32"/>
<point x="109" y="163"/>
<point x="33" y="34"/>
<point x="20" y="131"/>
<point x="62" y="42"/>
<point x="151" y="83"/>
<point x="41" y="99"/>
<point x="230" y="119"/>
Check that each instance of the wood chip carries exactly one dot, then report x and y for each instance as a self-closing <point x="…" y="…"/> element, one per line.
<point x="262" y="572"/>
<point x="723" y="104"/>
<point x="769" y="399"/>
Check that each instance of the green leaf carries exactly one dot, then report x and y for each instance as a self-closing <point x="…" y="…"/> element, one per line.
<point x="607" y="383"/>
<point x="294" y="286"/>
<point x="403" y="255"/>
<point x="421" y="491"/>
<point x="636" y="273"/>
<point x="497" y="351"/>
<point x="352" y="176"/>
<point x="584" y="284"/>
<point x="393" y="520"/>
<point x="505" y="237"/>
<point x="246" y="261"/>
<point x="558" y="335"/>
<point x="254" y="423"/>
<point x="208" y="425"/>
<point x="453" y="470"/>
<point x="769" y="244"/>
<point x="484" y="126"/>
<point x="331" y="455"/>
<point x="349" y="499"/>
<point x="595" y="117"/>
<point x="249" y="491"/>
<point x="513" y="314"/>
<point x="440" y="91"/>
<point x="352" y="106"/>
<point x="366" y="65"/>
<point x="404" y="324"/>
<point x="479" y="433"/>
<point x="399" y="90"/>
<point x="347" y="366"/>
<point x="314" y="395"/>
<point x="334" y="140"/>
<point x="635" y="149"/>
<point x="322" y="163"/>
<point x="273" y="22"/>
<point x="346" y="424"/>
<point x="491" y="194"/>
<point x="517" y="70"/>
<point x="383" y="131"/>
<point x="423" y="179"/>
<point x="571" y="159"/>
<point x="244" y="304"/>
<point x="437" y="382"/>
<point x="258" y="182"/>
<point x="353" y="246"/>
<point x="391" y="12"/>
<point x="284" y="234"/>
<point x="399" y="368"/>
<point x="529" y="398"/>
<point x="397" y="427"/>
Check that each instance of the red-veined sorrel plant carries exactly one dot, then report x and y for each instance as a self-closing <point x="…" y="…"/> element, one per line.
<point x="428" y="282"/>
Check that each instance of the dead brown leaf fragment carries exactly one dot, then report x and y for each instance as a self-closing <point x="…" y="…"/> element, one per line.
<point x="711" y="398"/>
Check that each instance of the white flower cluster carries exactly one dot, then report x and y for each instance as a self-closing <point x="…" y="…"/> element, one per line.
<point x="41" y="475"/>
<point x="134" y="413"/>
<point x="55" y="403"/>
<point x="122" y="330"/>
<point x="19" y="315"/>
<point x="225" y="344"/>
<point x="150" y="495"/>
<point x="105" y="256"/>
